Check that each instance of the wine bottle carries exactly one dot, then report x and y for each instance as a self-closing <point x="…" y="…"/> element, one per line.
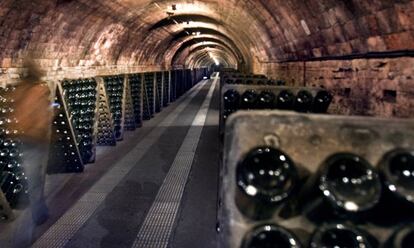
<point x="397" y="173"/>
<point x="303" y="101"/>
<point x="238" y="81"/>
<point x="280" y="82"/>
<point x="266" y="100"/>
<point x="346" y="186"/>
<point x="231" y="99"/>
<point x="285" y="100"/>
<point x="342" y="235"/>
<point x="266" y="177"/>
<point x="249" y="100"/>
<point x="322" y="101"/>
<point x="270" y="235"/>
<point x="402" y="237"/>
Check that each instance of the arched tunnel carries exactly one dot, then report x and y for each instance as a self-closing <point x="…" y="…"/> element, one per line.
<point x="207" y="123"/>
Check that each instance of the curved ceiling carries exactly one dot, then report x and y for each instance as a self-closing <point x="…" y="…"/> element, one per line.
<point x="157" y="34"/>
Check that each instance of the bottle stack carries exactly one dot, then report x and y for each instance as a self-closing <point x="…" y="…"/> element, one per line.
<point x="311" y="180"/>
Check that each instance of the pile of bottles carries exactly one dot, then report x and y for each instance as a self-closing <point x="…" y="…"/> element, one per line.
<point x="64" y="155"/>
<point x="158" y="93"/>
<point x="80" y="97"/>
<point x="285" y="99"/>
<point x="173" y="85"/>
<point x="136" y="90"/>
<point x="114" y="88"/>
<point x="148" y="112"/>
<point x="166" y="89"/>
<point x="179" y="83"/>
<point x="343" y="199"/>
<point x="13" y="181"/>
<point x="129" y="113"/>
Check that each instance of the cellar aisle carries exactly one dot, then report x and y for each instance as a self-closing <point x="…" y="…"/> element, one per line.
<point x="115" y="203"/>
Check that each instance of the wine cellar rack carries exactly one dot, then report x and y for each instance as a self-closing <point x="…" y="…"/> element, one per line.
<point x="149" y="101"/>
<point x="114" y="86"/>
<point x="240" y="90"/>
<point x="106" y="131"/>
<point x="173" y="86"/>
<point x="13" y="181"/>
<point x="87" y="112"/>
<point x="128" y="107"/>
<point x="309" y="140"/>
<point x="158" y="91"/>
<point x="166" y="88"/>
<point x="81" y="101"/>
<point x="135" y="82"/>
<point x="64" y="154"/>
<point x="180" y="82"/>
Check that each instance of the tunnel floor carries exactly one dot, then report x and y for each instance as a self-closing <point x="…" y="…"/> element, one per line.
<point x="157" y="188"/>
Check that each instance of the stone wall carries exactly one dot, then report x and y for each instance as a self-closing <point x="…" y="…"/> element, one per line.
<point x="14" y="74"/>
<point x="361" y="86"/>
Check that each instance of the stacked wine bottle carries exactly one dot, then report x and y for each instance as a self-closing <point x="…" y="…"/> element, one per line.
<point x="158" y="92"/>
<point x="178" y="83"/>
<point x="166" y="89"/>
<point x="240" y="97"/>
<point x="188" y="79"/>
<point x="64" y="154"/>
<point x="173" y="86"/>
<point x="114" y="88"/>
<point x="128" y="108"/>
<point x="13" y="181"/>
<point x="285" y="99"/>
<point x="80" y="97"/>
<point x="148" y="96"/>
<point x="324" y="182"/>
<point x="346" y="188"/>
<point x="136" y="92"/>
<point x="106" y="132"/>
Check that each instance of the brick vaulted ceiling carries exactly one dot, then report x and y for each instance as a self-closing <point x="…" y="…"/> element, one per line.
<point x="247" y="33"/>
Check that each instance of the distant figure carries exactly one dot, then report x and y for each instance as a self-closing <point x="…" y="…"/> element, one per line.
<point x="32" y="109"/>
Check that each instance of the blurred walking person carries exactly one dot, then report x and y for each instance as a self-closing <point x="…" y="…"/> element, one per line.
<point x="32" y="109"/>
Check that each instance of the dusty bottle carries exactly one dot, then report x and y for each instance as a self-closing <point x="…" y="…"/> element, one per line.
<point x="266" y="177"/>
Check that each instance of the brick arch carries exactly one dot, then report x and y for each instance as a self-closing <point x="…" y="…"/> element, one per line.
<point x="182" y="34"/>
<point x="188" y="51"/>
<point x="174" y="46"/>
<point x="201" y="41"/>
<point x="202" y="58"/>
<point x="108" y="34"/>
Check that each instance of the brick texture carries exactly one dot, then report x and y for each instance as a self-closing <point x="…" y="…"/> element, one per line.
<point x="364" y="79"/>
<point x="82" y="38"/>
